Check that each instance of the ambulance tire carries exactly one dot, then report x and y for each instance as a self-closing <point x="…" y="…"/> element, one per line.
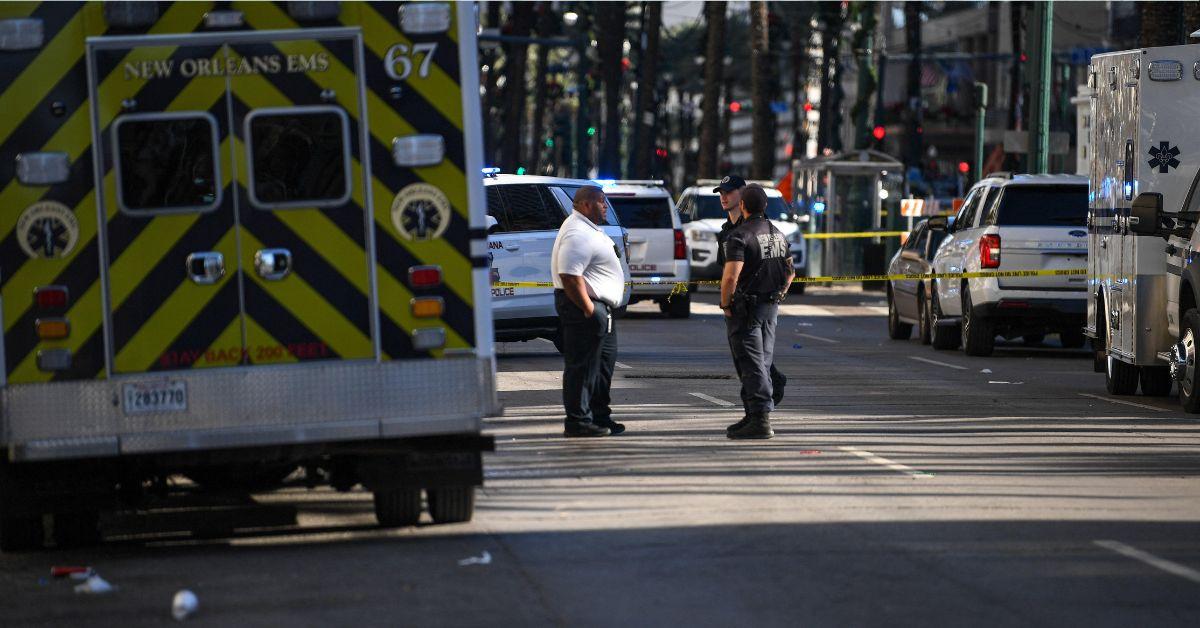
<point x="1189" y="387"/>
<point x="1156" y="381"/>
<point x="77" y="529"/>
<point x="398" y="507"/>
<point x="451" y="504"/>
<point x="18" y="534"/>
<point x="942" y="337"/>
<point x="680" y="306"/>
<point x="1120" y="378"/>
<point x="896" y="329"/>
<point x="978" y="334"/>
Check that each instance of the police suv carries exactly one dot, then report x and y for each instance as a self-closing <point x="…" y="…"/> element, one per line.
<point x="701" y="212"/>
<point x="524" y="214"/>
<point x="1013" y="222"/>
<point x="239" y="239"/>
<point x="1144" y="281"/>
<point x="657" y="249"/>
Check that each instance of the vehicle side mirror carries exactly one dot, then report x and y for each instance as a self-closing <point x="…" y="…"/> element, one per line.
<point x="938" y="224"/>
<point x="1146" y="216"/>
<point x="493" y="225"/>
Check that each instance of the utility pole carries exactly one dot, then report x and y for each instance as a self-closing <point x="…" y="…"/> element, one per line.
<point x="981" y="95"/>
<point x="1041" y="37"/>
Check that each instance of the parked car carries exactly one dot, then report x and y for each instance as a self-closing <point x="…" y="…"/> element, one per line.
<point x="1013" y="222"/>
<point x="908" y="299"/>
<point x="700" y="210"/>
<point x="525" y="213"/>
<point x="657" y="249"/>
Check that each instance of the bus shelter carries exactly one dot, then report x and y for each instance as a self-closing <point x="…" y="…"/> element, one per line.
<point x="843" y="194"/>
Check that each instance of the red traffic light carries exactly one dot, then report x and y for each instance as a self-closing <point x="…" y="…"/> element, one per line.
<point x="661" y="153"/>
<point x="808" y="106"/>
<point x="964" y="167"/>
<point x="735" y="106"/>
<point x="878" y="132"/>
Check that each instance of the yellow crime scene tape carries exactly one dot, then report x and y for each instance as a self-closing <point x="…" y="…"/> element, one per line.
<point x="681" y="286"/>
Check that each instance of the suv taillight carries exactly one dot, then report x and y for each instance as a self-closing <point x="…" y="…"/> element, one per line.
<point x="680" y="245"/>
<point x="989" y="251"/>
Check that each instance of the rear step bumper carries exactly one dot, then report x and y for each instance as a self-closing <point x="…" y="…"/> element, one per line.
<point x="253" y="407"/>
<point x="1064" y="310"/>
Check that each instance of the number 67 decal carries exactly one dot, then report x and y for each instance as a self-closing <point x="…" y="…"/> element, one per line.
<point x="398" y="63"/>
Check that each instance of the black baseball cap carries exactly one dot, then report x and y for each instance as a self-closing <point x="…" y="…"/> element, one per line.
<point x="730" y="183"/>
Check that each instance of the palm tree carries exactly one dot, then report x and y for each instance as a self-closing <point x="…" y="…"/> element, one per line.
<point x="643" y="117"/>
<point x="912" y="45"/>
<point x="1162" y="23"/>
<point x="515" y="64"/>
<point x="799" y="14"/>
<point x="490" y="90"/>
<point x="761" y="78"/>
<point x="610" y="22"/>
<point x="863" y="55"/>
<point x="832" y="21"/>
<point x="714" y="65"/>
<point x="547" y="26"/>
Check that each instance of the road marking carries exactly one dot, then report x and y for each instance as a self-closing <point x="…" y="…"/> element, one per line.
<point x="894" y="466"/>
<point x="1124" y="403"/>
<point x="945" y="364"/>
<point x="719" y="402"/>
<point x="1173" y="568"/>
<point x="832" y="342"/>
<point x="622" y="365"/>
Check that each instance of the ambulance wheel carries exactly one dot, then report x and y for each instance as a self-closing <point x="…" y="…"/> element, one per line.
<point x="19" y="534"/>
<point x="978" y="335"/>
<point x="1072" y="339"/>
<point x="1120" y="378"/>
<point x="77" y="529"/>
<point x="680" y="306"/>
<point x="924" y="332"/>
<point x="1189" y="384"/>
<point x="454" y="504"/>
<point x="896" y="329"/>
<point x="398" y="507"/>
<point x="942" y="337"/>
<point x="1156" y="381"/>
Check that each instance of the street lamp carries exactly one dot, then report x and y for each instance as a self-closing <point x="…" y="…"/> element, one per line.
<point x="570" y="18"/>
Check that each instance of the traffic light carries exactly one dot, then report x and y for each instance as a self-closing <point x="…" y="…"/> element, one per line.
<point x="735" y="106"/>
<point x="549" y="142"/>
<point x="878" y="132"/>
<point x="521" y="170"/>
<point x="591" y="131"/>
<point x="964" y="167"/>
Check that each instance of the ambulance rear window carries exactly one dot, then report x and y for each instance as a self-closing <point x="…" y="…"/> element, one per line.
<point x="167" y="163"/>
<point x="299" y="157"/>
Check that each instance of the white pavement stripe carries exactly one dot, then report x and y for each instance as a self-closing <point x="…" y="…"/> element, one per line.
<point x="622" y="365"/>
<point x="1173" y="568"/>
<point x="880" y="460"/>
<point x="719" y="402"/>
<point x="812" y="337"/>
<point x="1124" y="403"/>
<point x="935" y="362"/>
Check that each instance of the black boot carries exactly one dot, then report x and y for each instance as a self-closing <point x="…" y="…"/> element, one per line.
<point x="614" y="428"/>
<point x="737" y="426"/>
<point x="758" y="426"/>
<point x="581" y="429"/>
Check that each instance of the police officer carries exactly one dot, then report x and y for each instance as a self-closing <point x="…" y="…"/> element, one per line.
<point x="730" y="190"/>
<point x="756" y="276"/>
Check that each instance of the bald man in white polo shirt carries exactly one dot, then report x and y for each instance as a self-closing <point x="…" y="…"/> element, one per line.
<point x="588" y="284"/>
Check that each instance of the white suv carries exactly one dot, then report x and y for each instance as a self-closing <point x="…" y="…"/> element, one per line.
<point x="524" y="214"/>
<point x="1021" y="222"/>
<point x="657" y="250"/>
<point x="700" y="209"/>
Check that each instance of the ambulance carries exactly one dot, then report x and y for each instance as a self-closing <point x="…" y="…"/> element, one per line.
<point x="1144" y="283"/>
<point x="239" y="241"/>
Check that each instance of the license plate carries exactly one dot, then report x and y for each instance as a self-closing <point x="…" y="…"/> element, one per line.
<point x="160" y="396"/>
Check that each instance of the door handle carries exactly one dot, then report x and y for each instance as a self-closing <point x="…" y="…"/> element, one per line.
<point x="273" y="264"/>
<point x="206" y="268"/>
<point x="512" y="247"/>
<point x="637" y="240"/>
<point x="1104" y="243"/>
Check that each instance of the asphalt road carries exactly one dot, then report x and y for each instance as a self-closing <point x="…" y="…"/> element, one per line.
<point x="905" y="486"/>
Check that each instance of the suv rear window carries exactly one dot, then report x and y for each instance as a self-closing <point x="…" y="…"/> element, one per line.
<point x="1043" y="206"/>
<point x="642" y="213"/>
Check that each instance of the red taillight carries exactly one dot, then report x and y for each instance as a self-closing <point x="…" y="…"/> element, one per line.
<point x="989" y="251"/>
<point x="680" y="245"/>
<point x="424" y="276"/>
<point x="50" y="297"/>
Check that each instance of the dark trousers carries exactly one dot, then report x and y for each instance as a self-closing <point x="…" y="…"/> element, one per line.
<point x="589" y="358"/>
<point x="752" y="342"/>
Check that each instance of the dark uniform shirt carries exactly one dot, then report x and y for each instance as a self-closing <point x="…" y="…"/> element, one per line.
<point x="756" y="242"/>
<point x="722" y="237"/>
